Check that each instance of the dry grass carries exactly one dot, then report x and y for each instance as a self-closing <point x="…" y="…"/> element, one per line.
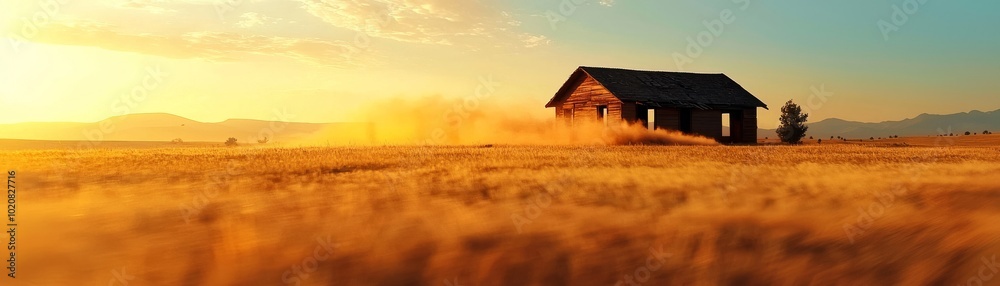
<point x="508" y="215"/>
<point x="919" y="141"/>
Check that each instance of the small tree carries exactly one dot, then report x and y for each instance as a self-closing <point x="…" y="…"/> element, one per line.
<point x="967" y="133"/>
<point x="262" y="141"/>
<point x="177" y="140"/>
<point x="793" y="123"/>
<point x="231" y="141"/>
<point x="986" y="132"/>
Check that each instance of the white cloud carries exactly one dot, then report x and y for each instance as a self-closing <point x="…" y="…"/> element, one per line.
<point x="443" y="22"/>
<point x="534" y="41"/>
<point x="212" y="46"/>
<point x="251" y="19"/>
<point x="151" y="6"/>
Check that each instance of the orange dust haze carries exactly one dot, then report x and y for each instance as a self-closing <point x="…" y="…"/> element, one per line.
<point x="438" y="121"/>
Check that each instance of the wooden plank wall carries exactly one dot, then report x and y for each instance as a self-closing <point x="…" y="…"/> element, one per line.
<point x="629" y="112"/>
<point x="667" y="118"/>
<point x="749" y="125"/>
<point x="707" y="123"/>
<point x="563" y="116"/>
<point x="589" y="94"/>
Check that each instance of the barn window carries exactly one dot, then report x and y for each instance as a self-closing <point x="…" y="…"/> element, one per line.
<point x="602" y="113"/>
<point x="651" y="119"/>
<point x="726" y="126"/>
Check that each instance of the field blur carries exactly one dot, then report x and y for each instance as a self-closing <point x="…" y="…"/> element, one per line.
<point x="875" y="214"/>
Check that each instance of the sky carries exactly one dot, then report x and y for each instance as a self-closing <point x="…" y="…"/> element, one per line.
<point x="323" y="60"/>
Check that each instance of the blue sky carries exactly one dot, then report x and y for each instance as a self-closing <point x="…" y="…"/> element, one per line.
<point x="345" y="54"/>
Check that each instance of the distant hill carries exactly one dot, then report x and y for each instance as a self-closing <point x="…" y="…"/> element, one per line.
<point x="925" y="124"/>
<point x="163" y="127"/>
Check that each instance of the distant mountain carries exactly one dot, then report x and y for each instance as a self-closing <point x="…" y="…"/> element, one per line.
<point x="163" y="127"/>
<point x="925" y="124"/>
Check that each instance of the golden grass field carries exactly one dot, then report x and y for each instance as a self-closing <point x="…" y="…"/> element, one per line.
<point x="845" y="214"/>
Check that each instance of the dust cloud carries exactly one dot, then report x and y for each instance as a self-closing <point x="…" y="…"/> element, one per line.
<point x="435" y="120"/>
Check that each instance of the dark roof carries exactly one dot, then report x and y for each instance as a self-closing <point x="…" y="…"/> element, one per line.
<point x="673" y="89"/>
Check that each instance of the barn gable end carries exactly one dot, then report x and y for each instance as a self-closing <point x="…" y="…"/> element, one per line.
<point x="582" y="96"/>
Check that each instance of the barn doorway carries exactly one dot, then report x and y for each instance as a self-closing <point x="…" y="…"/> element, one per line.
<point x="602" y="114"/>
<point x="686" y="120"/>
<point x="735" y="128"/>
<point x="568" y="116"/>
<point x="646" y="117"/>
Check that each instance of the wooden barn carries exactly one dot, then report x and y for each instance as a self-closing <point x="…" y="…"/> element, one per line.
<point x="687" y="102"/>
